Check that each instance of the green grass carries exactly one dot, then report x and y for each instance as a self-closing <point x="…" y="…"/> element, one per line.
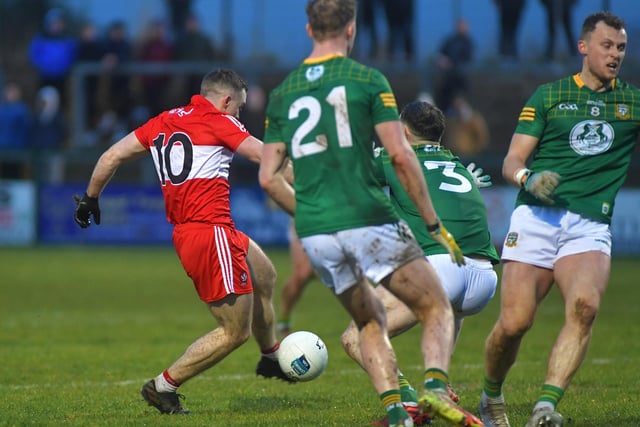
<point x="81" y="329"/>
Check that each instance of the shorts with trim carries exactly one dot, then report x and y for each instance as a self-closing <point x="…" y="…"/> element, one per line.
<point x="540" y="235"/>
<point x="342" y="258"/>
<point x="215" y="258"/>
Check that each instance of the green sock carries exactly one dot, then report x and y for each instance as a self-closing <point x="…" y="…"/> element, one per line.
<point x="435" y="378"/>
<point x="393" y="405"/>
<point x="492" y="388"/>
<point x="551" y="394"/>
<point x="407" y="393"/>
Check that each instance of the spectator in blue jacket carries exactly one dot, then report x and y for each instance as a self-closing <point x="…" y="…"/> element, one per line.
<point x="15" y="118"/>
<point x="53" y="52"/>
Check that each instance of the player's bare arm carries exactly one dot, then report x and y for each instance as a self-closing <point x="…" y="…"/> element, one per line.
<point x="251" y="149"/>
<point x="520" y="149"/>
<point x="407" y="168"/>
<point x="272" y="180"/>
<point x="540" y="184"/>
<point x="128" y="148"/>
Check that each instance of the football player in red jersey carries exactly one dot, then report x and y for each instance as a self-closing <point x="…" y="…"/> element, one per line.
<point x="192" y="147"/>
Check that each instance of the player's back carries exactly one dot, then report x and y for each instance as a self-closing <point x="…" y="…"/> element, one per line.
<point x="457" y="200"/>
<point x="192" y="148"/>
<point x="325" y="111"/>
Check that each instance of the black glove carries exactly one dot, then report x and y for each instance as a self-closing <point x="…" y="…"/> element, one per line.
<point x="86" y="206"/>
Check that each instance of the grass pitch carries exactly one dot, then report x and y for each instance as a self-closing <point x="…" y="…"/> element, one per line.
<point x="82" y="328"/>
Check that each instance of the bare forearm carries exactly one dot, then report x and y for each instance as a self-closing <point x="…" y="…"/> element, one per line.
<point x="102" y="174"/>
<point x="282" y="193"/>
<point x="510" y="167"/>
<point x="412" y="179"/>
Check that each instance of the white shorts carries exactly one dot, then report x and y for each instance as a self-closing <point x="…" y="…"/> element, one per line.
<point x="341" y="258"/>
<point x="540" y="235"/>
<point x="469" y="287"/>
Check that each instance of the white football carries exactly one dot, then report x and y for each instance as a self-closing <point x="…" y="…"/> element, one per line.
<point x="303" y="356"/>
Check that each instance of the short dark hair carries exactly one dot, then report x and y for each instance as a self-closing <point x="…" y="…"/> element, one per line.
<point x="608" y="18"/>
<point x="328" y="17"/>
<point x="424" y="120"/>
<point x="220" y="79"/>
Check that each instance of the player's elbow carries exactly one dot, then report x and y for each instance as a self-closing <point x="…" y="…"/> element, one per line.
<point x="266" y="180"/>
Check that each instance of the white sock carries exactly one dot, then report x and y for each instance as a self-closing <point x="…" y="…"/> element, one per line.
<point x="486" y="398"/>
<point x="543" y="404"/>
<point x="163" y="386"/>
<point x="273" y="355"/>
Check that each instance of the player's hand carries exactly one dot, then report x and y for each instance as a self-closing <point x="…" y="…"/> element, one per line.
<point x="481" y="181"/>
<point x="442" y="236"/>
<point x="85" y="207"/>
<point x="542" y="185"/>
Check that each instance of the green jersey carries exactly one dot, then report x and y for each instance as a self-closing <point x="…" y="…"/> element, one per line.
<point x="457" y="200"/>
<point x="587" y="137"/>
<point x="325" y="112"/>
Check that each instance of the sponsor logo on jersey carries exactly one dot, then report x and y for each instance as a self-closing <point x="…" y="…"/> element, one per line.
<point x="181" y="112"/>
<point x="314" y="73"/>
<point x="572" y="107"/>
<point x="511" y="240"/>
<point x="590" y="137"/>
<point x="598" y="103"/>
<point x="622" y="111"/>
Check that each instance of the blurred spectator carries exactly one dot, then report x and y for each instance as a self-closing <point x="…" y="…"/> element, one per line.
<point x="367" y="15"/>
<point x="53" y="52"/>
<point x="49" y="134"/>
<point x="179" y="11"/>
<point x="467" y="131"/>
<point x="15" y="123"/>
<point x="192" y="44"/>
<point x="510" y="12"/>
<point x="15" y="118"/>
<point x="114" y="90"/>
<point x="49" y="126"/>
<point x="156" y="47"/>
<point x="401" y="28"/>
<point x="454" y="55"/>
<point x="90" y="49"/>
<point x="559" y="10"/>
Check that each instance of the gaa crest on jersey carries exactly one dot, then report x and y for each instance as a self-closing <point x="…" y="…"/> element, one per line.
<point x="243" y="279"/>
<point x="314" y="73"/>
<point x="622" y="111"/>
<point x="511" y="240"/>
<point x="590" y="137"/>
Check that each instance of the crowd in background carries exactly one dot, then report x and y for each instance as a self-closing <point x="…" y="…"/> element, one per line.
<point x="116" y="102"/>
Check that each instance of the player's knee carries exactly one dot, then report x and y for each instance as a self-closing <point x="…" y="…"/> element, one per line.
<point x="584" y="311"/>
<point x="514" y="327"/>
<point x="349" y="339"/>
<point x="241" y="336"/>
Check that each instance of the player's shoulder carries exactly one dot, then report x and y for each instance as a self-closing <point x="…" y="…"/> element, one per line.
<point x="556" y="84"/>
<point x="623" y="85"/>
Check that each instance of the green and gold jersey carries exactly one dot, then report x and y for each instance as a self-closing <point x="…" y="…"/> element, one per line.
<point x="587" y="137"/>
<point x="325" y="112"/>
<point x="455" y="197"/>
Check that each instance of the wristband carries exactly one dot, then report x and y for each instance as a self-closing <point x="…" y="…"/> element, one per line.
<point x="434" y="227"/>
<point x="521" y="175"/>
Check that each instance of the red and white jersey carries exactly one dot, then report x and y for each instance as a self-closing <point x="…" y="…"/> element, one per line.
<point x="192" y="149"/>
